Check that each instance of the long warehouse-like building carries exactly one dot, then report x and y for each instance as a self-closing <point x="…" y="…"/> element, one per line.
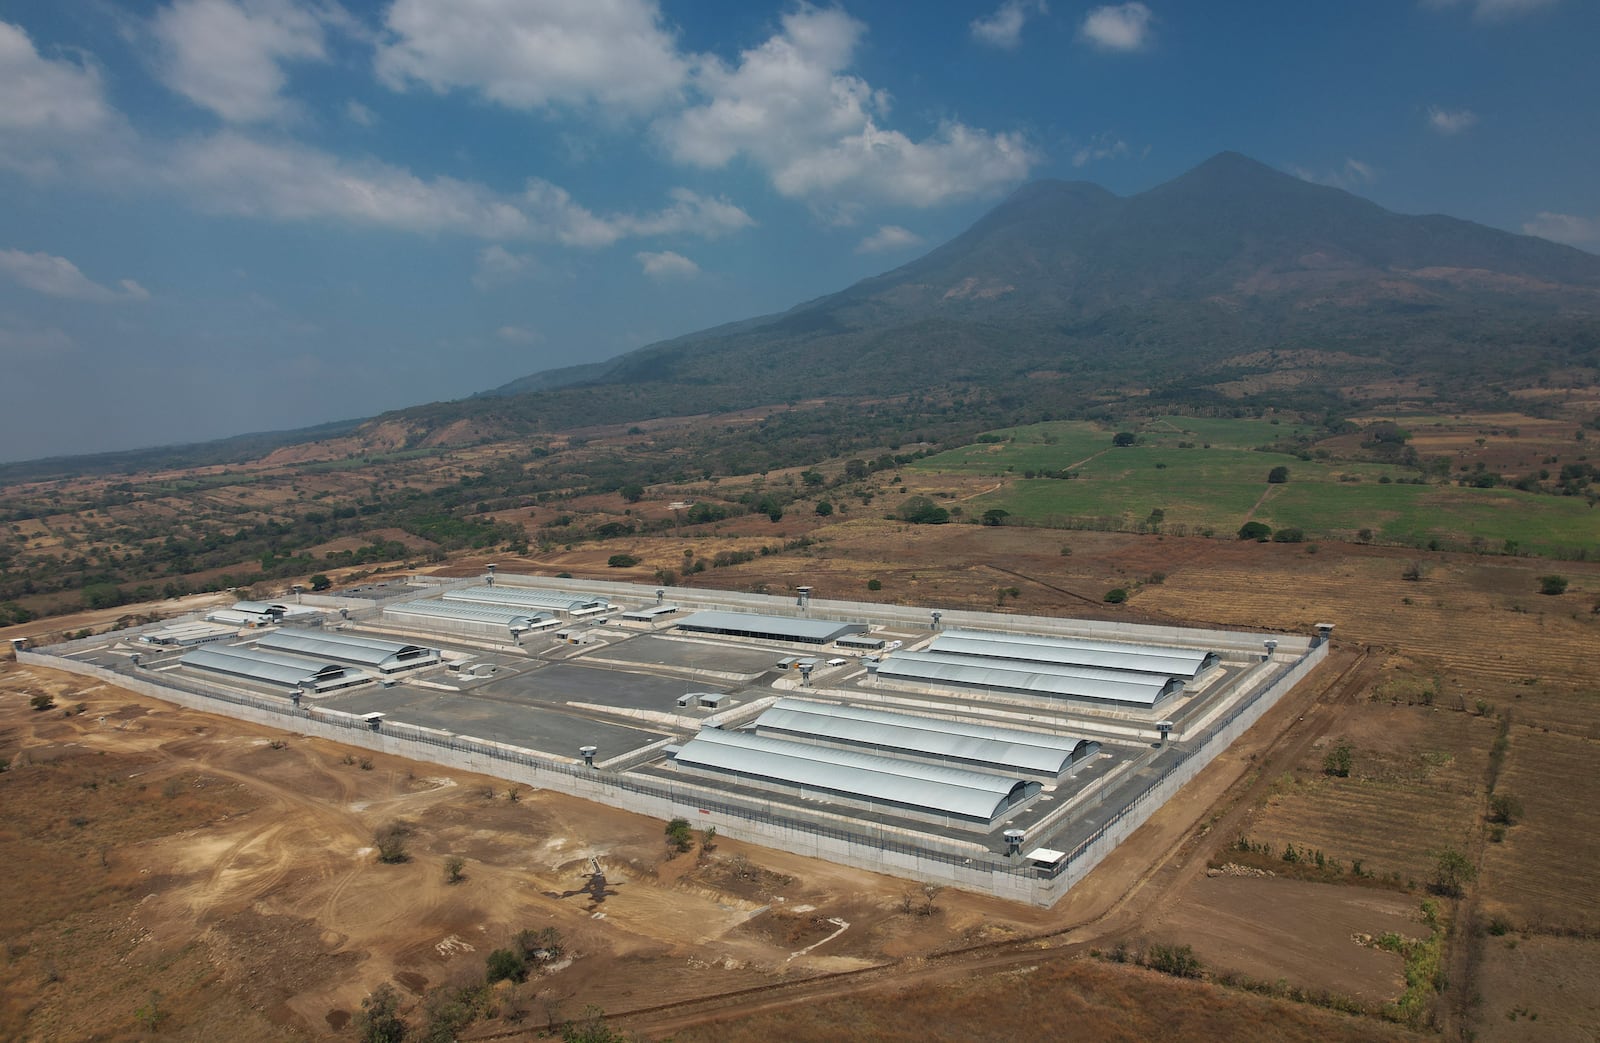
<point x="768" y="628"/>
<point x="573" y="606"/>
<point x="469" y="618"/>
<point x="1111" y="655"/>
<point x="925" y="792"/>
<point x="914" y="736"/>
<point x="273" y="669"/>
<point x="386" y="657"/>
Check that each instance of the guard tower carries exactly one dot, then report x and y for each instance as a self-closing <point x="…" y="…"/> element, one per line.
<point x="1014" y="841"/>
<point x="490" y="569"/>
<point x="588" y="754"/>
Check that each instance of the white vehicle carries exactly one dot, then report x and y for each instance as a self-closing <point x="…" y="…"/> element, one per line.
<point x="837" y="662"/>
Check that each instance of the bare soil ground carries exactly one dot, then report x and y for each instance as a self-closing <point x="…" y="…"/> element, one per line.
<point x="1566" y="1004"/>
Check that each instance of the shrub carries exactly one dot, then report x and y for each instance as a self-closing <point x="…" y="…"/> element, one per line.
<point x="1124" y="438"/>
<point x="1176" y="960"/>
<point x="1452" y="871"/>
<point x="1255" y="530"/>
<point x="1338" y="761"/>
<point x="1504" y="809"/>
<point x="874" y="584"/>
<point x="1116" y="596"/>
<point x="1552" y="584"/>
<point x="679" y="836"/>
<point x="824" y="508"/>
<point x="1289" y="536"/>
<point x="42" y="701"/>
<point x="390" y="840"/>
<point x="320" y="582"/>
<point x="1278" y="475"/>
<point x="379" y="1020"/>
<point x="453" y="867"/>
<point x="505" y="965"/>
<point x="622" y="561"/>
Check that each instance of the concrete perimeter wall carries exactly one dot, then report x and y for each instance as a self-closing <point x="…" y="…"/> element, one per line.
<point x="886" y="849"/>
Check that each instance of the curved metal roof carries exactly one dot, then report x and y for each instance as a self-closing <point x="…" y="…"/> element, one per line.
<point x="468" y="612"/>
<point x="259" y="665"/>
<point x="522" y="597"/>
<point x="864" y="776"/>
<point x="1111" y="655"/>
<point x="1085" y="673"/>
<point x="910" y="666"/>
<point x="348" y="648"/>
<point x="1005" y="749"/>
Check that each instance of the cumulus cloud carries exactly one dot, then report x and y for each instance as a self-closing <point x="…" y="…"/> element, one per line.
<point x="1493" y="10"/>
<point x="1118" y="27"/>
<point x="789" y="107"/>
<point x="528" y="56"/>
<point x="1102" y="147"/>
<point x="41" y="94"/>
<point x="1003" y="29"/>
<point x="666" y="265"/>
<point x="1565" y="228"/>
<point x="1451" y="121"/>
<point x="59" y="277"/>
<point x="234" y="173"/>
<point x="889" y="237"/>
<point x="228" y="55"/>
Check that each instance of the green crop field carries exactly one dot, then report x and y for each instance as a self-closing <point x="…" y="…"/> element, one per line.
<point x="1221" y="481"/>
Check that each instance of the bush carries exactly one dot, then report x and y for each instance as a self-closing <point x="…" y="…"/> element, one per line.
<point x="824" y="508"/>
<point x="1338" y="761"/>
<point x="320" y="582"/>
<point x="1278" y="475"/>
<point x="1258" y="531"/>
<point x="622" y="561"/>
<point x="1504" y="809"/>
<point x="1176" y="960"/>
<point x="453" y="867"/>
<point x="679" y="836"/>
<point x="874" y="584"/>
<point x="1289" y="536"/>
<point x="1124" y="438"/>
<point x="380" y="1020"/>
<point x="1116" y="596"/>
<point x="390" y="840"/>
<point x="919" y="510"/>
<point x="1452" y="871"/>
<point x="1552" y="585"/>
<point x="505" y="965"/>
<point x="42" y="701"/>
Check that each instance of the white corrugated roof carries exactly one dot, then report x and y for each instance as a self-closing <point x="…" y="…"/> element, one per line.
<point x="864" y="776"/>
<point x="1005" y="749"/>
<point x="522" y="597"/>
<point x="1072" y="670"/>
<point x="1113" y="655"/>
<point x="467" y="611"/>
<point x="348" y="648"/>
<point x="260" y="665"/>
<point x="911" y="666"/>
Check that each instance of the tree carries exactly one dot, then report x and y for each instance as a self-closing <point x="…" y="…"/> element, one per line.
<point x="1278" y="475"/>
<point x="1452" y="871"/>
<point x="621" y="561"/>
<point x="919" y="510"/>
<point x="824" y="508"/>
<point x="995" y="516"/>
<point x="505" y="965"/>
<point x="1552" y="584"/>
<point x="679" y="836"/>
<point x="1504" y="809"/>
<point x="1124" y="438"/>
<point x="1289" y="536"/>
<point x="321" y="582"/>
<point x="380" y="1020"/>
<point x="1116" y="596"/>
<point x="633" y="492"/>
<point x="1338" y="761"/>
<point x="1258" y="531"/>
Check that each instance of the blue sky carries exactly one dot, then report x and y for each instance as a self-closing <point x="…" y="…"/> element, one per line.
<point x="220" y="216"/>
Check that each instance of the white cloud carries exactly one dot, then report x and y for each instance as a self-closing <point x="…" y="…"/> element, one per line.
<point x="1451" y="121"/>
<point x="498" y="267"/>
<point x="517" y="335"/>
<point x="59" y="277"/>
<point x="1493" y="10"/>
<point x="228" y="55"/>
<point x="1352" y="175"/>
<point x="667" y="265"/>
<point x="1565" y="228"/>
<point x="237" y="174"/>
<point x="887" y="238"/>
<point x="1118" y="27"/>
<point x="1102" y="147"/>
<point x="44" y="95"/>
<point x="1003" y="29"/>
<point x="531" y="55"/>
<point x="788" y="107"/>
<point x="358" y="113"/>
